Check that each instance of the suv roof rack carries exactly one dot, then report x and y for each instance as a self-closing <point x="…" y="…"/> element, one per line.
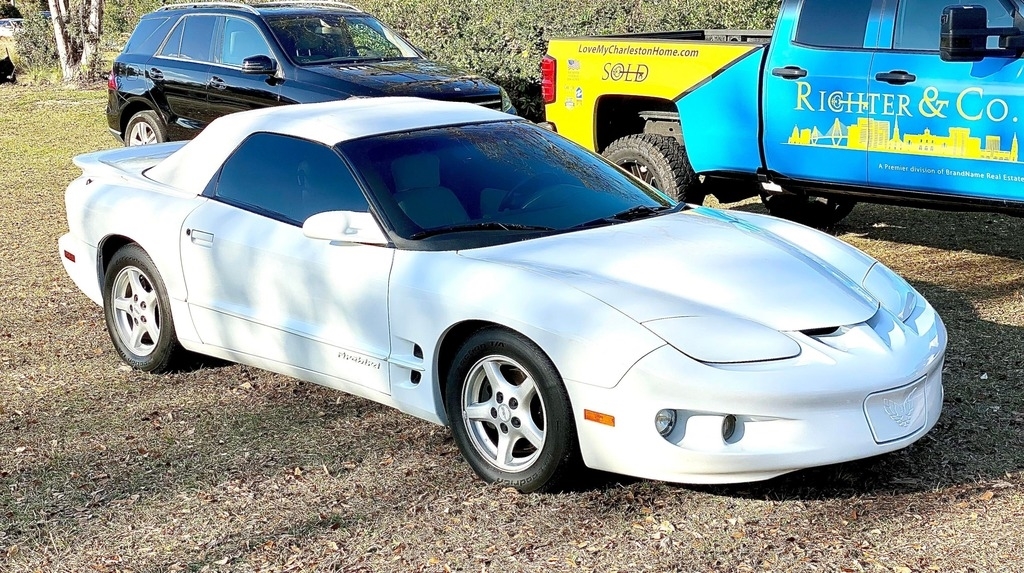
<point x="237" y="5"/>
<point x="331" y="3"/>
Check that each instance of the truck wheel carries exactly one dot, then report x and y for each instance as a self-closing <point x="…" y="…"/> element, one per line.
<point x="817" y="212"/>
<point x="659" y="161"/>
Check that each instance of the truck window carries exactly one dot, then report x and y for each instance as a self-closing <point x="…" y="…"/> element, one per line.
<point x="831" y="24"/>
<point x="918" y="22"/>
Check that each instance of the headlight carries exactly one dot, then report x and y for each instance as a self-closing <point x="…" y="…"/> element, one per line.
<point x="892" y="292"/>
<point x="506" y="102"/>
<point x="722" y="340"/>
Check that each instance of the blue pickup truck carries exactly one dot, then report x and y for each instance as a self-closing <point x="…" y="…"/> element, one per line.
<point x="917" y="102"/>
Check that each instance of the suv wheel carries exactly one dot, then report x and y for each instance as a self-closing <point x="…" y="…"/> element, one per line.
<point x="145" y="128"/>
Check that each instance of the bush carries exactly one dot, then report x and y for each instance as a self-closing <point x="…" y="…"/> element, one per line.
<point x="9" y="11"/>
<point x="35" y="43"/>
<point x="505" y="39"/>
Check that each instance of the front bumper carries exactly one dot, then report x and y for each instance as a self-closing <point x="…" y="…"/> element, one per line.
<point x="838" y="401"/>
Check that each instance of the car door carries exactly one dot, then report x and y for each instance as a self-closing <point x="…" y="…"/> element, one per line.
<point x="258" y="286"/>
<point x="230" y="89"/>
<point x="180" y="70"/>
<point x="816" y="90"/>
<point x="960" y="135"/>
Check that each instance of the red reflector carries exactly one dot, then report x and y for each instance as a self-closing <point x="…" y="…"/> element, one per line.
<point x="547" y="79"/>
<point x="606" y="419"/>
<point x="69" y="256"/>
<point x="112" y="81"/>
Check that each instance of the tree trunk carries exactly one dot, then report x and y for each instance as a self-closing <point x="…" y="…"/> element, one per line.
<point x="77" y="27"/>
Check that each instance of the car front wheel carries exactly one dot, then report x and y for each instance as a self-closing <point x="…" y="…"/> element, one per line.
<point x="137" y="312"/>
<point x="510" y="413"/>
<point x="144" y="128"/>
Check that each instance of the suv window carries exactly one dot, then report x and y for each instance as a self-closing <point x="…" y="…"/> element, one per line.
<point x="142" y="36"/>
<point x="832" y="24"/>
<point x="191" y="39"/>
<point x="318" y="38"/>
<point x="241" y="40"/>
<point x="304" y="178"/>
<point x="918" y="22"/>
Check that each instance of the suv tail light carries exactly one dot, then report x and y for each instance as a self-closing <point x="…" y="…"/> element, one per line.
<point x="112" y="81"/>
<point x="547" y="79"/>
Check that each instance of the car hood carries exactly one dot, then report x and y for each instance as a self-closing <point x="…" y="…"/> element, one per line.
<point x="408" y="77"/>
<point x="687" y="264"/>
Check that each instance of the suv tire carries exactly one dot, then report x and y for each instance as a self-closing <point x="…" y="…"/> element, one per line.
<point x="658" y="160"/>
<point x="144" y="128"/>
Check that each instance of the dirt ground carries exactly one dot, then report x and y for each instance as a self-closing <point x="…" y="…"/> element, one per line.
<point x="227" y="468"/>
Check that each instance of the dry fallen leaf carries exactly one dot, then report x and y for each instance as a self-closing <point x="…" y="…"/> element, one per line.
<point x="987" y="495"/>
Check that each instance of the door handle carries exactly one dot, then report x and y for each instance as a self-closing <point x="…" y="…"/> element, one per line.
<point x="201" y="238"/>
<point x="896" y="77"/>
<point x="790" y="72"/>
<point x="217" y="83"/>
<point x="155" y="74"/>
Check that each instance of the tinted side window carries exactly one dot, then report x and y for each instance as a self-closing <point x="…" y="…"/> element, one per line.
<point x="142" y="38"/>
<point x="918" y="22"/>
<point x="832" y="24"/>
<point x="302" y="179"/>
<point x="241" y="40"/>
<point x="191" y="39"/>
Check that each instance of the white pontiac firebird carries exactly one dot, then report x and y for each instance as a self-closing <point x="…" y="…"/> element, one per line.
<point x="472" y="269"/>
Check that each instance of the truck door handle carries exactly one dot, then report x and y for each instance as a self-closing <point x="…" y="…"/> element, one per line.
<point x="896" y="77"/>
<point x="790" y="73"/>
<point x="155" y="74"/>
<point x="217" y="83"/>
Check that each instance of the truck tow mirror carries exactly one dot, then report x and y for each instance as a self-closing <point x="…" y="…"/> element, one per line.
<point x="964" y="35"/>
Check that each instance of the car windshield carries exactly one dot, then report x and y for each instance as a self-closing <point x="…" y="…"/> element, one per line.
<point x="510" y="178"/>
<point x="335" y="37"/>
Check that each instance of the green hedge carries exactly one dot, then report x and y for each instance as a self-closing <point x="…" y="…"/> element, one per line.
<point x="505" y="39"/>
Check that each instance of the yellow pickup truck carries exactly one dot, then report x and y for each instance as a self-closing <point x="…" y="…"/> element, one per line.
<point x="904" y="101"/>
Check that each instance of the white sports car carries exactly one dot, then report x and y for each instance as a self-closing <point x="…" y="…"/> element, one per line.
<point x="472" y="269"/>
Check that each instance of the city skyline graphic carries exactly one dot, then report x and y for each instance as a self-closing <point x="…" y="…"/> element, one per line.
<point x="883" y="136"/>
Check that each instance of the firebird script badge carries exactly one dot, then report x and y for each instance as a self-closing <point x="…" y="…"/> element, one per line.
<point x="903" y="413"/>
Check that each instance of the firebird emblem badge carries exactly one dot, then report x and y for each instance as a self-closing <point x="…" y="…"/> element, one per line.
<point x="903" y="413"/>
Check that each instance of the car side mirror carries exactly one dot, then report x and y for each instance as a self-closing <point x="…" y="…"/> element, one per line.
<point x="259" y="65"/>
<point x="347" y="227"/>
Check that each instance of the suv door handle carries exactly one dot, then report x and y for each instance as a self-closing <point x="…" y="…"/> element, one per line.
<point x="790" y="72"/>
<point x="896" y="77"/>
<point x="217" y="83"/>
<point x="155" y="74"/>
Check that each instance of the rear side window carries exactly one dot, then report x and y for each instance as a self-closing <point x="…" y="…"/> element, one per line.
<point x="832" y="24"/>
<point x="192" y="39"/>
<point x="303" y="179"/>
<point x="144" y="39"/>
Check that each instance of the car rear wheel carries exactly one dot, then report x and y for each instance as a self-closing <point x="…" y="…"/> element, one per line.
<point x="819" y="212"/>
<point x="138" y="312"/>
<point x="145" y="128"/>
<point x="510" y="413"/>
<point x="659" y="161"/>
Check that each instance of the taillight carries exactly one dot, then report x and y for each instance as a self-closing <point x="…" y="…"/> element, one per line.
<point x="112" y="81"/>
<point x="547" y="79"/>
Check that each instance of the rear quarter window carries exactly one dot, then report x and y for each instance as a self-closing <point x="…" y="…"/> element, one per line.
<point x="147" y="36"/>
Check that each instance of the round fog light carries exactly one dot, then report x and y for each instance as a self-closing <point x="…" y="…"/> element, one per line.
<point x="728" y="427"/>
<point x="665" y="421"/>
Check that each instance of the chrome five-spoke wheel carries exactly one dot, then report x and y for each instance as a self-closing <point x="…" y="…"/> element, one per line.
<point x="136" y="311"/>
<point x="504" y="414"/>
<point x="142" y="134"/>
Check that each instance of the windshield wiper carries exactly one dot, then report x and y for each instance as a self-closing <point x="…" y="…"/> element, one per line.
<point x="483" y="226"/>
<point x="631" y="214"/>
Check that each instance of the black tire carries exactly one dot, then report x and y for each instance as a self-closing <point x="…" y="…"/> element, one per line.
<point x="505" y="407"/>
<point x="660" y="161"/>
<point x="135" y="302"/>
<point x="819" y="212"/>
<point x="145" y="128"/>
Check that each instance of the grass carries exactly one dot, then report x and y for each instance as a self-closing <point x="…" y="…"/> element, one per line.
<point x="233" y="469"/>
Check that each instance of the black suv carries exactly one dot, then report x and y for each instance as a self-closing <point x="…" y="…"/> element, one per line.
<point x="187" y="64"/>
